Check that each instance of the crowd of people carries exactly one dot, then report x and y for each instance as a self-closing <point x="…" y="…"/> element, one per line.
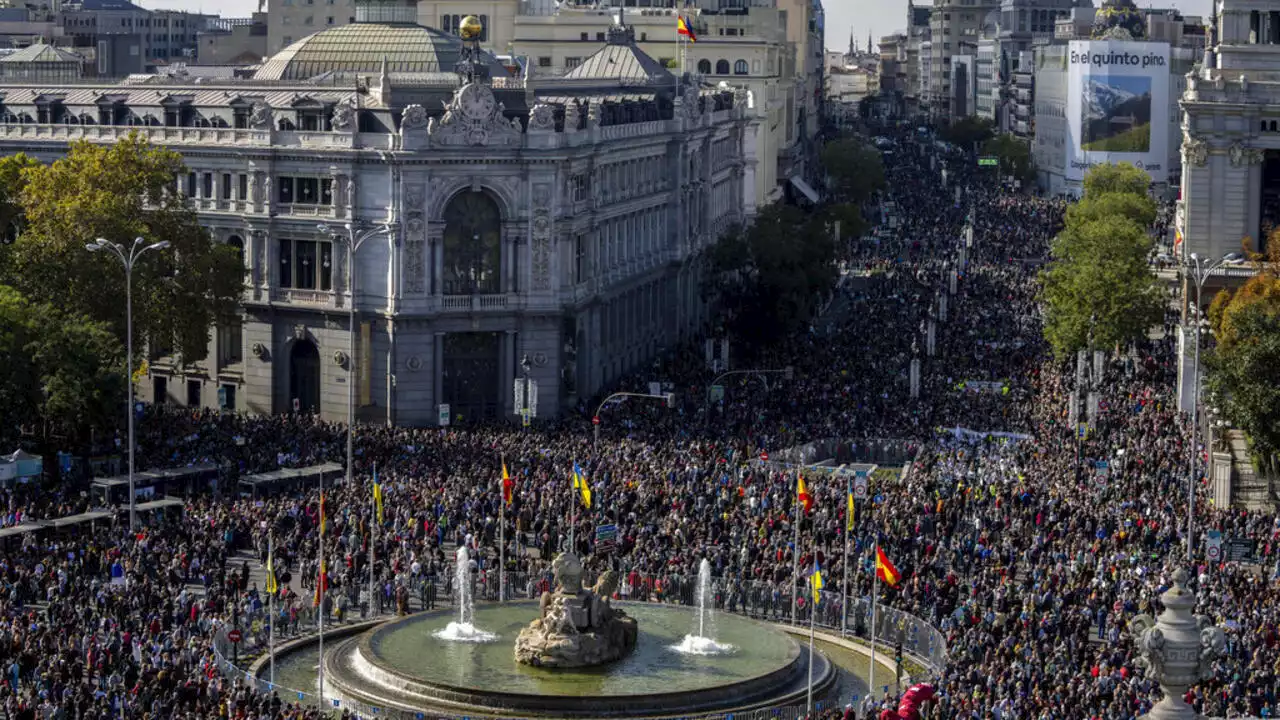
<point x="1029" y="548"/>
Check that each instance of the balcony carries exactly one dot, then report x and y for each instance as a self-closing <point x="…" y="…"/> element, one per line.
<point x="300" y="210"/>
<point x="294" y="296"/>
<point x="475" y="303"/>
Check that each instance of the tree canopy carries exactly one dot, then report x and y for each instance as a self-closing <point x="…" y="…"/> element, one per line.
<point x="767" y="279"/>
<point x="1121" y="178"/>
<point x="1099" y="289"/>
<point x="119" y="192"/>
<point x="856" y="170"/>
<point x="968" y="130"/>
<point x="1244" y="374"/>
<point x="61" y="368"/>
<point x="1015" y="157"/>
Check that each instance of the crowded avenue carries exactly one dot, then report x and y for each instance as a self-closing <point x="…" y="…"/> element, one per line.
<point x="1009" y="539"/>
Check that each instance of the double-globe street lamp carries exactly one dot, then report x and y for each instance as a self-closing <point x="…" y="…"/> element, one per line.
<point x="129" y="258"/>
<point x="1197" y="270"/>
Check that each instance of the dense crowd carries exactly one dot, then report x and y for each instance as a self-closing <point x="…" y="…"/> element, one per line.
<point x="1028" y="558"/>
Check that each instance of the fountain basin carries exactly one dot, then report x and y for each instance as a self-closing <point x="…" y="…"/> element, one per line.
<point x="402" y="665"/>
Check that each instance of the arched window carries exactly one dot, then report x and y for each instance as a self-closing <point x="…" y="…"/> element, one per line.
<point x="740" y="68"/>
<point x="704" y="67"/>
<point x="722" y="67"/>
<point x="237" y="242"/>
<point x="472" y="245"/>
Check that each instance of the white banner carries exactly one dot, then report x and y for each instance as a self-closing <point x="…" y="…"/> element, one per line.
<point x="1117" y="106"/>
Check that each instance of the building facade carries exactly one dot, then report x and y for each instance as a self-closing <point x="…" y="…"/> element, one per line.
<point x="1230" y="135"/>
<point x="492" y="219"/>
<point x="955" y="26"/>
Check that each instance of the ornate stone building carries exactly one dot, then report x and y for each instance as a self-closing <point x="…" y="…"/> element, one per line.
<point x="496" y="217"/>
<point x="1231" y="134"/>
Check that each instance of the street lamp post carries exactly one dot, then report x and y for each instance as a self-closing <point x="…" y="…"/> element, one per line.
<point x="669" y="398"/>
<point x="128" y="257"/>
<point x="354" y="239"/>
<point x="1198" y="271"/>
<point x="526" y="412"/>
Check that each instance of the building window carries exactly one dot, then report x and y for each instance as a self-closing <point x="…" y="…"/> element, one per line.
<point x="579" y="187"/>
<point x="572" y="62"/>
<point x="227" y="397"/>
<point x="472" y="245"/>
<point x="242" y="193"/>
<point x="579" y="259"/>
<point x="193" y="393"/>
<point x="722" y="67"/>
<point x="704" y="67"/>
<point x="306" y="264"/>
<point x="208" y="186"/>
<point x="544" y="62"/>
<point x="226" y="186"/>
<point x="230" y="341"/>
<point x="305" y="191"/>
<point x="740" y="68"/>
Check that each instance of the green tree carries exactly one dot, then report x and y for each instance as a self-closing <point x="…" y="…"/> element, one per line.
<point x="768" y="279"/>
<point x="856" y="169"/>
<point x="1099" y="290"/>
<point x="1116" y="178"/>
<point x="62" y="367"/>
<point x="120" y="192"/>
<point x="1244" y="375"/>
<point x="967" y="131"/>
<point x="1015" y="157"/>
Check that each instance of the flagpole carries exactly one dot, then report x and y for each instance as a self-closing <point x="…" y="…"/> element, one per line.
<point x="502" y="534"/>
<point x="875" y="593"/>
<point x="373" y="529"/>
<point x="573" y="516"/>
<point x="795" y="556"/>
<point x="271" y="612"/>
<point x="844" y="583"/>
<point x="320" y="594"/>
<point x="813" y="610"/>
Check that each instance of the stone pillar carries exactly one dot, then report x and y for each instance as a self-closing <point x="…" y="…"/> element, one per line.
<point x="915" y="377"/>
<point x="1178" y="649"/>
<point x="437" y="369"/>
<point x="508" y="373"/>
<point x="942" y="307"/>
<point x="931" y="333"/>
<point x="1222" y="480"/>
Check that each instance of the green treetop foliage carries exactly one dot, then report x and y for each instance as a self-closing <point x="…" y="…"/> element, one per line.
<point x="1015" y="157"/>
<point x="768" y="279"/>
<point x="62" y="368"/>
<point x="1099" y="290"/>
<point x="966" y="131"/>
<point x="1244" y="375"/>
<point x="1116" y="178"/>
<point x="856" y="170"/>
<point x="120" y="192"/>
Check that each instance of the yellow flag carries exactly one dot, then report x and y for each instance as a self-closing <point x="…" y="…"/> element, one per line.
<point x="273" y="586"/>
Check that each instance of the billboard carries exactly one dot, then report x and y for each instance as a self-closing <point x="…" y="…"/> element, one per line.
<point x="1117" y="106"/>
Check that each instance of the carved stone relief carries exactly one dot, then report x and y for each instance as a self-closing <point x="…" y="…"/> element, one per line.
<point x="1197" y="151"/>
<point x="414" y="270"/>
<point x="540" y="254"/>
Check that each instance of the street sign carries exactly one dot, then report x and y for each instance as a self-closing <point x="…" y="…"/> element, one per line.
<point x="764" y="456"/>
<point x="444" y="415"/>
<point x="595" y="420"/>
<point x="860" y="487"/>
<point x="234" y="635"/>
<point x="717" y="393"/>
<point x="1213" y="549"/>
<point x="1239" y="550"/>
<point x="606" y="538"/>
<point x="988" y="161"/>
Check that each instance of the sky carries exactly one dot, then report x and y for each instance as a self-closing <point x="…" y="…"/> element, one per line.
<point x="881" y="17"/>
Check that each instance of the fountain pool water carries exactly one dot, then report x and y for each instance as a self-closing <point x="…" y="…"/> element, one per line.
<point x="407" y="664"/>
<point x="700" y="642"/>
<point x="464" y="628"/>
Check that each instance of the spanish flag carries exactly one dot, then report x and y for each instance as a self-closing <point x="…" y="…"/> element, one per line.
<point x="682" y="28"/>
<point x="885" y="569"/>
<point x="580" y="484"/>
<point x="802" y="494"/>
<point x="322" y="584"/>
<point x="816" y="581"/>
<point x="273" y="586"/>
<point x="849" y="511"/>
<point x="508" y="485"/>
<point x="377" y="495"/>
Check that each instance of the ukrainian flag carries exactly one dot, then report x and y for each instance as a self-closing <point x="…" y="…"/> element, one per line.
<point x="816" y="580"/>
<point x="580" y="484"/>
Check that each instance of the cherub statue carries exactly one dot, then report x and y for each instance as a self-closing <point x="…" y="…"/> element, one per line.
<point x="1150" y="642"/>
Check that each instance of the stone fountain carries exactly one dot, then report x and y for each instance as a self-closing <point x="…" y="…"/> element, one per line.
<point x="1177" y="649"/>
<point x="576" y="627"/>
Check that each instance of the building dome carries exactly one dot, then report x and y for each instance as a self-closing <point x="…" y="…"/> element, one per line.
<point x="360" y="48"/>
<point x="1119" y="20"/>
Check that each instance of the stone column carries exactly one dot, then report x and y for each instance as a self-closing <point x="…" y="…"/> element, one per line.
<point x="1178" y="649"/>
<point x="437" y="369"/>
<point x="508" y="373"/>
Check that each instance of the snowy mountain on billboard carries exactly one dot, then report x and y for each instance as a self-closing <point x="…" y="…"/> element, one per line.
<point x="1101" y="99"/>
